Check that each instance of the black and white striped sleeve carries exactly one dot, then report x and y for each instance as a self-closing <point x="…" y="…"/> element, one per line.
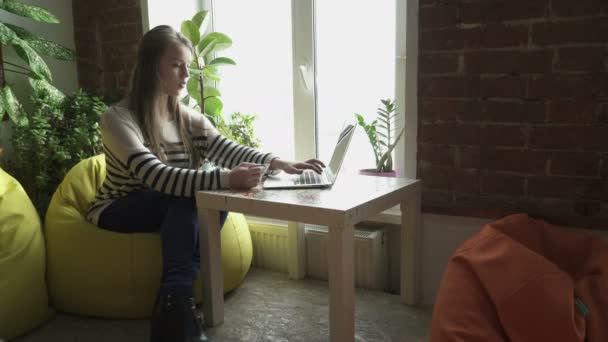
<point x="173" y="180"/>
<point x="229" y="154"/>
<point x="122" y="140"/>
<point x="221" y="150"/>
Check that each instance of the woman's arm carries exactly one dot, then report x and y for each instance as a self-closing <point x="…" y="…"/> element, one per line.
<point x="218" y="148"/>
<point x="229" y="154"/>
<point x="123" y="144"/>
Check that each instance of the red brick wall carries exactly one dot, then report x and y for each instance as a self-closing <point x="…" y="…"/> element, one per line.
<point x="106" y="35"/>
<point x="513" y="108"/>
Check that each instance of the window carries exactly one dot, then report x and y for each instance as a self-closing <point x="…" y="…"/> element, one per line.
<point x="261" y="82"/>
<point x="311" y="65"/>
<point x="354" y="69"/>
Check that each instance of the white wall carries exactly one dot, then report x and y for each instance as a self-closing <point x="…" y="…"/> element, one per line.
<point x="441" y="237"/>
<point x="64" y="72"/>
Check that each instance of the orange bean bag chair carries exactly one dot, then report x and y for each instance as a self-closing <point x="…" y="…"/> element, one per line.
<point x="521" y="279"/>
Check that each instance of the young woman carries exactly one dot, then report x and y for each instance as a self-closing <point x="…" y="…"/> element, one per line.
<point x="154" y="146"/>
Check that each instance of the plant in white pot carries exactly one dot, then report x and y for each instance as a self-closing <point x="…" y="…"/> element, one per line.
<point x="383" y="141"/>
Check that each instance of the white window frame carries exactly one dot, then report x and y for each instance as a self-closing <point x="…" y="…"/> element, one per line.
<point x="304" y="74"/>
<point x="406" y="89"/>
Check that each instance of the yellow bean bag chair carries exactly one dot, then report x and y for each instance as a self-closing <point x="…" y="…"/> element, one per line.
<point x="23" y="294"/>
<point x="100" y="273"/>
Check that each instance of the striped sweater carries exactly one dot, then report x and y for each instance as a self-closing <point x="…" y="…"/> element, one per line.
<point x="131" y="166"/>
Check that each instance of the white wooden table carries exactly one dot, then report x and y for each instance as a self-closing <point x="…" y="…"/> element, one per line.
<point x="352" y="199"/>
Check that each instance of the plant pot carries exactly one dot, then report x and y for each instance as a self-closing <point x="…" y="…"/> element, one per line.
<point x="373" y="172"/>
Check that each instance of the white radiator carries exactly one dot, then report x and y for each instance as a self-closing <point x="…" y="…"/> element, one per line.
<point x="270" y="251"/>
<point x="370" y="256"/>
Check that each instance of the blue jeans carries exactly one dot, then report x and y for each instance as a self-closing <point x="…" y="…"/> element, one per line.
<point x="176" y="219"/>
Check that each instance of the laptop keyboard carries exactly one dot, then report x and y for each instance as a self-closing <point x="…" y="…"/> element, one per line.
<point x="309" y="177"/>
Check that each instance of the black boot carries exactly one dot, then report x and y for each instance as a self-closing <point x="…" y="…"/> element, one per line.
<point x="175" y="319"/>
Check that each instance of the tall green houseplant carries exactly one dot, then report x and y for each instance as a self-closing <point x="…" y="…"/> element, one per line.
<point x="204" y="77"/>
<point x="29" y="47"/>
<point x="380" y="135"/>
<point x="204" y="72"/>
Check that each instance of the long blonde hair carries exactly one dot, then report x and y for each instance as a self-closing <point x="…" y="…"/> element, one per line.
<point x="146" y="93"/>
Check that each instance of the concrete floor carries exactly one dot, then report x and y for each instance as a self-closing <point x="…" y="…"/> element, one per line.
<point x="266" y="307"/>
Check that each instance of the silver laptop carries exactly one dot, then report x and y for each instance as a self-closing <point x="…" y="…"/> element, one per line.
<point x="309" y="178"/>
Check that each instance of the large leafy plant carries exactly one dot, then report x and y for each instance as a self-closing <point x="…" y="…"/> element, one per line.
<point x="204" y="70"/>
<point x="380" y="134"/>
<point x="59" y="131"/>
<point x="203" y="93"/>
<point x="29" y="47"/>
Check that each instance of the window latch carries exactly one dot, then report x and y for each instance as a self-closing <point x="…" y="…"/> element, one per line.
<point x="303" y="74"/>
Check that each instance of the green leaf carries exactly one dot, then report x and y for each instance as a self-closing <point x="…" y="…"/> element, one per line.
<point x="206" y="45"/>
<point x="47" y="91"/>
<point x="201" y="21"/>
<point x="383" y="115"/>
<point x="194" y="89"/>
<point x="211" y="91"/>
<point x="213" y="106"/>
<point x="212" y="78"/>
<point x="10" y="104"/>
<point x="222" y="41"/>
<point x="222" y="61"/>
<point x="210" y="70"/>
<point x="35" y="62"/>
<point x="190" y="30"/>
<point x="28" y="11"/>
<point x="7" y="36"/>
<point x="44" y="46"/>
<point x="360" y="120"/>
<point x="195" y="72"/>
<point x="210" y="73"/>
<point x="386" y="162"/>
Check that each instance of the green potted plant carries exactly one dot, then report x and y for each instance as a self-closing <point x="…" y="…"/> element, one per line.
<point x="56" y="134"/>
<point x="203" y="93"/>
<point x="29" y="47"/>
<point x="240" y="129"/>
<point x="204" y="72"/>
<point x="381" y="137"/>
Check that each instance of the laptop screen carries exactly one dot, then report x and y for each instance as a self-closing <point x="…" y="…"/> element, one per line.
<point x="340" y="151"/>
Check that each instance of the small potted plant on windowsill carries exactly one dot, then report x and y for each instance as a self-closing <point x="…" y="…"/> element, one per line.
<point x="381" y="138"/>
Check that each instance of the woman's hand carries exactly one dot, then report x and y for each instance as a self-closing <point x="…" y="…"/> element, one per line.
<point x="297" y="167"/>
<point x="246" y="175"/>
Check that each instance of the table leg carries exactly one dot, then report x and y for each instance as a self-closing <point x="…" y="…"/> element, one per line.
<point x="410" y="248"/>
<point x="297" y="250"/>
<point x="340" y="252"/>
<point x="211" y="266"/>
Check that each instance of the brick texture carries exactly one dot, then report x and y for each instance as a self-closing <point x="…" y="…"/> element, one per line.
<point x="106" y="35"/>
<point x="513" y="112"/>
